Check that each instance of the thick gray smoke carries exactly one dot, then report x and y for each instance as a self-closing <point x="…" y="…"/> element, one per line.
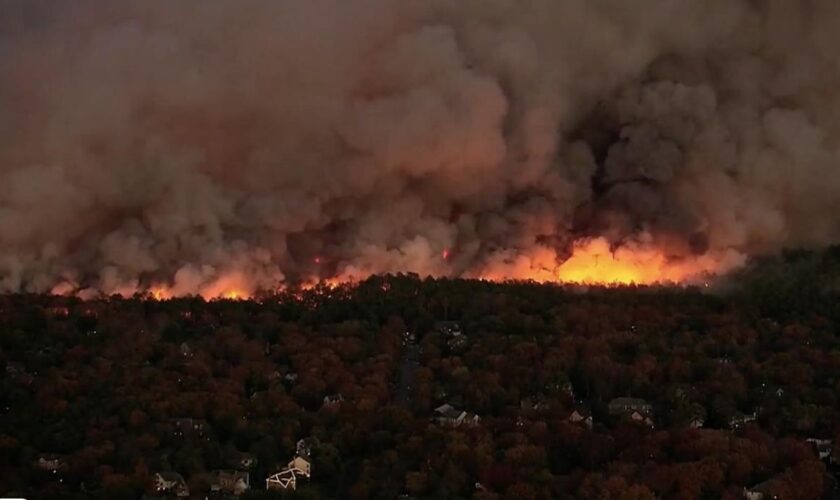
<point x="240" y="143"/>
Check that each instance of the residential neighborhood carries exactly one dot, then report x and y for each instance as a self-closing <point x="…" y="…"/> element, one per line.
<point x="296" y="397"/>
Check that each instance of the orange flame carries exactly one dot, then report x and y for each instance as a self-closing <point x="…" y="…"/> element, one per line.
<point x="329" y="283"/>
<point x="593" y="262"/>
<point x="159" y="292"/>
<point x="232" y="286"/>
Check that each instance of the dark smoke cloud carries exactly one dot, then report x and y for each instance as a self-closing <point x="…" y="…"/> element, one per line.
<point x="242" y="143"/>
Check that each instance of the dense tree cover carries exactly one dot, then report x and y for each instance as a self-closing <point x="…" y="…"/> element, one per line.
<point x="105" y="384"/>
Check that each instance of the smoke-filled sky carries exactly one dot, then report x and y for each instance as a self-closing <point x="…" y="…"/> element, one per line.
<point x="245" y="143"/>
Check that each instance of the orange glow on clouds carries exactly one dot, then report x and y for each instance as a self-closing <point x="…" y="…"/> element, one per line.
<point x="593" y="263"/>
<point x="233" y="286"/>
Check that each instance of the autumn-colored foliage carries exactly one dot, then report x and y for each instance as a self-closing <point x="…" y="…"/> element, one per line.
<point x="119" y="389"/>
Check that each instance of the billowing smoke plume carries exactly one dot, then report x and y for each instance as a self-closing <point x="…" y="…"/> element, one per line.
<point x="243" y="143"/>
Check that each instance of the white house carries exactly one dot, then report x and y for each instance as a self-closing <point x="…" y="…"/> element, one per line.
<point x="761" y="491"/>
<point x="637" y="410"/>
<point x="333" y="400"/>
<point x="449" y="329"/>
<point x="640" y="417"/>
<point x="172" y="483"/>
<point x="740" y="420"/>
<point x="447" y="414"/>
<point x="300" y="466"/>
<point x="822" y="447"/>
<point x="229" y="481"/>
<point x="624" y="406"/>
<point x="283" y="480"/>
<point x="581" y="415"/>
<point x="51" y="463"/>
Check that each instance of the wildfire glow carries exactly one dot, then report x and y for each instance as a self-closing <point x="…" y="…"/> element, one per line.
<point x="159" y="293"/>
<point x="329" y="283"/>
<point x="232" y="286"/>
<point x="593" y="262"/>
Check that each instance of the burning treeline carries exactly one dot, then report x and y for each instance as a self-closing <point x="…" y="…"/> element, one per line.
<point x="219" y="147"/>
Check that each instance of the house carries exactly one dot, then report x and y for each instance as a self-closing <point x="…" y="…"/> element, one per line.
<point x="640" y="417"/>
<point x="635" y="409"/>
<point x="189" y="426"/>
<point x="448" y="415"/>
<point x="231" y="482"/>
<point x="582" y="415"/>
<point x="286" y="479"/>
<point x="333" y="400"/>
<point x="304" y="446"/>
<point x="761" y="491"/>
<point x="185" y="350"/>
<point x="452" y="334"/>
<point x="738" y="421"/>
<point x="624" y="406"/>
<point x="697" y="416"/>
<point x="50" y="462"/>
<point x="823" y="447"/>
<point x="300" y="466"/>
<point x="537" y="403"/>
<point x="449" y="329"/>
<point x="559" y="387"/>
<point x="283" y="480"/>
<point x="696" y="422"/>
<point x="170" y="483"/>
<point x="457" y="343"/>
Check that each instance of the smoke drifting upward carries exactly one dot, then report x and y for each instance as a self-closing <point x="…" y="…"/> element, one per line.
<point x="223" y="146"/>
